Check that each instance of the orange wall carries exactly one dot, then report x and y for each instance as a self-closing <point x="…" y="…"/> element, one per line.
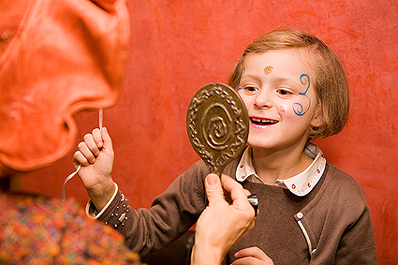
<point x="178" y="46"/>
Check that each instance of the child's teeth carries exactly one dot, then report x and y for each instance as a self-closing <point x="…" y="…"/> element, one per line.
<point x="260" y="121"/>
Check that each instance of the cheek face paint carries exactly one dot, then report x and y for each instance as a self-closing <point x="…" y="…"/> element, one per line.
<point x="301" y="109"/>
<point x="287" y="112"/>
<point x="288" y="109"/>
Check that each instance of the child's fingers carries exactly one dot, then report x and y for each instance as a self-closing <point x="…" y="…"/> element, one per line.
<point x="253" y="252"/>
<point x="106" y="138"/>
<point x="85" y="150"/>
<point x="97" y="137"/>
<point x="91" y="145"/>
<point x="79" y="159"/>
<point x="249" y="252"/>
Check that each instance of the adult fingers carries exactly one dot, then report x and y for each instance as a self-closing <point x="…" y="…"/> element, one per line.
<point x="214" y="189"/>
<point x="236" y="191"/>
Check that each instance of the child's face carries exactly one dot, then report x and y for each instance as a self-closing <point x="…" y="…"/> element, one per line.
<point x="277" y="89"/>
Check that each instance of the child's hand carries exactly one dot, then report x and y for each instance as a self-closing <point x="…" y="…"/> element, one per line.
<point x="95" y="156"/>
<point x="252" y="255"/>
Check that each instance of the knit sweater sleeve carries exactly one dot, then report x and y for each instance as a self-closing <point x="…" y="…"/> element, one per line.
<point x="357" y="243"/>
<point x="339" y="223"/>
<point x="171" y="214"/>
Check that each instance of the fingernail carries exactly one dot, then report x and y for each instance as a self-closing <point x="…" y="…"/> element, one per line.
<point x="212" y="179"/>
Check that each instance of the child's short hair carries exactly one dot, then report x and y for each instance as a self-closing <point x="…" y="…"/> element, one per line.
<point x="331" y="85"/>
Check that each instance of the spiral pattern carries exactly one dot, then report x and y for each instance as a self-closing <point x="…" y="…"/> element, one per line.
<point x="297" y="107"/>
<point x="217" y="125"/>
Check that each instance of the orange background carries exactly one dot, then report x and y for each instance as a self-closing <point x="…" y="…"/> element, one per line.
<point x="178" y="46"/>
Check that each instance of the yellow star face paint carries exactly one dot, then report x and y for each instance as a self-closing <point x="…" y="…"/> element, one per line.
<point x="268" y="69"/>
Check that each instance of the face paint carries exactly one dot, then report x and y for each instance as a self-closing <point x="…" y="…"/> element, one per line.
<point x="243" y="72"/>
<point x="297" y="107"/>
<point x="283" y="108"/>
<point x="268" y="69"/>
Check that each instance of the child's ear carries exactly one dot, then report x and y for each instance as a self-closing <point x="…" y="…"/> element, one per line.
<point x="317" y="119"/>
<point x="316" y="122"/>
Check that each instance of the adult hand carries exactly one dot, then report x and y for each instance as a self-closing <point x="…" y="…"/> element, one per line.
<point x="221" y="224"/>
<point x="96" y="156"/>
<point x="252" y="255"/>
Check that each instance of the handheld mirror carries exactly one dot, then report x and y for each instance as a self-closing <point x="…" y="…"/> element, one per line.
<point x="218" y="127"/>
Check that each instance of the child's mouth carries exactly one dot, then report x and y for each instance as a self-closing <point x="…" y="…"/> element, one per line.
<point x="263" y="122"/>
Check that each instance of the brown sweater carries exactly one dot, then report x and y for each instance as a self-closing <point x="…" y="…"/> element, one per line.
<point x="331" y="225"/>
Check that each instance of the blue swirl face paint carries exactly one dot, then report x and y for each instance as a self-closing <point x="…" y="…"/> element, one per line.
<point x="297" y="107"/>
<point x="243" y="71"/>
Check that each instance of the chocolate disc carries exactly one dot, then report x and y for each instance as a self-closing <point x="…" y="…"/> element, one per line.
<point x="217" y="125"/>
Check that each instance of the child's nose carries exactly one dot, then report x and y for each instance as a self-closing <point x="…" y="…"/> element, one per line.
<point x="263" y="100"/>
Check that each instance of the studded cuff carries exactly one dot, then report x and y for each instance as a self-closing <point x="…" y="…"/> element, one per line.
<point x="115" y="214"/>
<point x="92" y="212"/>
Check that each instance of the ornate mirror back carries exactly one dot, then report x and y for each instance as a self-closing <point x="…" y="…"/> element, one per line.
<point x="217" y="125"/>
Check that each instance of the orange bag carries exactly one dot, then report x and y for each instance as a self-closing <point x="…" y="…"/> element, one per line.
<point x="57" y="57"/>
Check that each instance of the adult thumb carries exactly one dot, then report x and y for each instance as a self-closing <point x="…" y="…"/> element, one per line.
<point x="213" y="187"/>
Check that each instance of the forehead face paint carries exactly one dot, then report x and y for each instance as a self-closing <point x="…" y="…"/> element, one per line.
<point x="268" y="69"/>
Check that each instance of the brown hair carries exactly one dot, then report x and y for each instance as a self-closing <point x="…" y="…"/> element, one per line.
<point x="331" y="85"/>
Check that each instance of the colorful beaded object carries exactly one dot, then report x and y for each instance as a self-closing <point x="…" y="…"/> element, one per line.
<point x="38" y="230"/>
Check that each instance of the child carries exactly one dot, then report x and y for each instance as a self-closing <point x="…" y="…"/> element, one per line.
<point x="310" y="212"/>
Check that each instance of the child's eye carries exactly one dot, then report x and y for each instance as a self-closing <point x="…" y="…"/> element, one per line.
<point x="284" y="92"/>
<point x="250" y="88"/>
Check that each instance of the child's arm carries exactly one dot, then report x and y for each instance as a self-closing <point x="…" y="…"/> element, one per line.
<point x="145" y="230"/>
<point x="95" y="156"/>
<point x="172" y="213"/>
<point x="357" y="245"/>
